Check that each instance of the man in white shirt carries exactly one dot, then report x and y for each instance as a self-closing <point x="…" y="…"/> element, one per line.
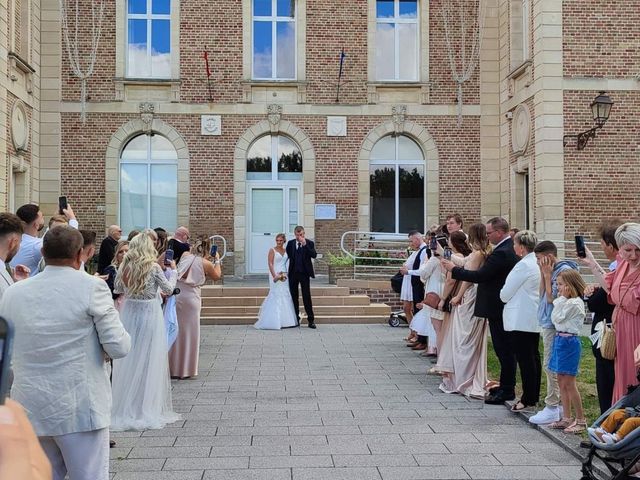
<point x="66" y="328"/>
<point x="10" y="237"/>
<point x="30" y="248"/>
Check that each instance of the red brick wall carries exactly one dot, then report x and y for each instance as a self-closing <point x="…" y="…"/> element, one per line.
<point x="601" y="39"/>
<point x="601" y="180"/>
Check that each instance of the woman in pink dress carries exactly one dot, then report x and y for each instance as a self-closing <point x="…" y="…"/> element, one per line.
<point x="623" y="286"/>
<point x="193" y="271"/>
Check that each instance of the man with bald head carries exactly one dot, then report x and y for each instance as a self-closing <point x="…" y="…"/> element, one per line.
<point x="108" y="247"/>
<point x="180" y="243"/>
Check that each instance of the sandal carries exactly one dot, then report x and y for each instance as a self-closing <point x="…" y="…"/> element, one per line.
<point x="561" y="424"/>
<point x="434" y="371"/>
<point x="521" y="407"/>
<point x="578" y="426"/>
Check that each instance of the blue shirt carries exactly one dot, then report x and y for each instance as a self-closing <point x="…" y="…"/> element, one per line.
<point x="545" y="309"/>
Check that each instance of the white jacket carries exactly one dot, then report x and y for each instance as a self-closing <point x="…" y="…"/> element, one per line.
<point x="521" y="293"/>
<point x="65" y="321"/>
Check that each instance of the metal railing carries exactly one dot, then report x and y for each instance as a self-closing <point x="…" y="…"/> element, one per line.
<point x="380" y="255"/>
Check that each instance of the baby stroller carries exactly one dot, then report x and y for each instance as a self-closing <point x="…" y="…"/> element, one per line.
<point x="618" y="457"/>
<point x="397" y="317"/>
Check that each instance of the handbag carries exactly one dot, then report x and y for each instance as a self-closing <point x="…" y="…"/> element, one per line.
<point x="432" y="299"/>
<point x="608" y="343"/>
<point x="396" y="282"/>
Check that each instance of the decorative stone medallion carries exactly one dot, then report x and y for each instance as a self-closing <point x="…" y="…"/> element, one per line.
<point x="210" y="125"/>
<point x="19" y="127"/>
<point x="336" y="126"/>
<point x="520" y="129"/>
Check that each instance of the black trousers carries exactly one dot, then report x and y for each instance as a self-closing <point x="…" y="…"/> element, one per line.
<point x="605" y="377"/>
<point x="525" y="346"/>
<point x="304" y="281"/>
<point x="506" y="357"/>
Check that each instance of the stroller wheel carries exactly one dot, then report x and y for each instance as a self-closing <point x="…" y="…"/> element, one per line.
<point x="394" y="321"/>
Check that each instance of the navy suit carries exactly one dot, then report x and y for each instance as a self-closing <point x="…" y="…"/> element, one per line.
<point x="490" y="279"/>
<point x="300" y="273"/>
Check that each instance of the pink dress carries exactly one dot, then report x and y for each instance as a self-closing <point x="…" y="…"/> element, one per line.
<point x="624" y="293"/>
<point x="183" y="356"/>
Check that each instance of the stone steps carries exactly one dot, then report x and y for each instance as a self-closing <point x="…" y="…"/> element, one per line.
<point x="257" y="300"/>
<point x="320" y="319"/>
<point x="325" y="310"/>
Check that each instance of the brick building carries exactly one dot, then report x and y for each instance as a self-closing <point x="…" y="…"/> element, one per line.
<point x="264" y="143"/>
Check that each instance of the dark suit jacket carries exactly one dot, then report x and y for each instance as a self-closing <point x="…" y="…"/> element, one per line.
<point x="308" y="252"/>
<point x="105" y="255"/>
<point x="490" y="279"/>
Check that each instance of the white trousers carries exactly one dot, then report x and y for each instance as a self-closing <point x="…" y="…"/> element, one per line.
<point x="82" y="455"/>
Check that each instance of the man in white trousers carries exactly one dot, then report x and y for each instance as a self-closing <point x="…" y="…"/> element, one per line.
<point x="66" y="328"/>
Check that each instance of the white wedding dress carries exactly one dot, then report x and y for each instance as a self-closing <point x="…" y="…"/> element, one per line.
<point x="277" y="310"/>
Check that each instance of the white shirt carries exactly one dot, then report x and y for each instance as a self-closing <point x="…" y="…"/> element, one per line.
<point x="30" y="252"/>
<point x="423" y="254"/>
<point x="5" y="279"/>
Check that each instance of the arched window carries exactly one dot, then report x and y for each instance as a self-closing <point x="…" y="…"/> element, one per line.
<point x="260" y="165"/>
<point x="396" y="176"/>
<point x="148" y="184"/>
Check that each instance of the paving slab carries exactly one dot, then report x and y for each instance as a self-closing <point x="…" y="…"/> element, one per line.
<point x="343" y="402"/>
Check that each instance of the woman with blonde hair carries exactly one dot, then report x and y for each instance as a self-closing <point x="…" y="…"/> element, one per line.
<point x="194" y="269"/>
<point x="141" y="383"/>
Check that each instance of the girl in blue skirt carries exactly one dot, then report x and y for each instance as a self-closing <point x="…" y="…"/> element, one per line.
<point x="568" y="318"/>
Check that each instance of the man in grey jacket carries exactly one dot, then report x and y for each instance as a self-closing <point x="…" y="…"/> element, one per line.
<point x="66" y="328"/>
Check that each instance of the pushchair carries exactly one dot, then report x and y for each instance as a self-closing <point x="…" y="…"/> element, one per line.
<point x="618" y="457"/>
<point x="397" y="317"/>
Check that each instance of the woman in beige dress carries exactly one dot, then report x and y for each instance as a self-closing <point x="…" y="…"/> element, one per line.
<point x="468" y="332"/>
<point x="193" y="271"/>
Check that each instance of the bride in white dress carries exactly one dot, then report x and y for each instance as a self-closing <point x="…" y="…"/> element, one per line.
<point x="277" y="310"/>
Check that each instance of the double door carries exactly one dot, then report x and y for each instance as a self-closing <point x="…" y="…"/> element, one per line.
<point x="272" y="210"/>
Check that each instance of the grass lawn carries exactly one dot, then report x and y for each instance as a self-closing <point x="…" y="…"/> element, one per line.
<point x="586" y="379"/>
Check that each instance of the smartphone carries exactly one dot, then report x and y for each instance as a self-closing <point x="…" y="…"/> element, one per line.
<point x="447" y="253"/>
<point x="433" y="243"/>
<point x="443" y="241"/>
<point x="214" y="250"/>
<point x="62" y="204"/>
<point x="6" y="342"/>
<point x="168" y="256"/>
<point x="580" y="247"/>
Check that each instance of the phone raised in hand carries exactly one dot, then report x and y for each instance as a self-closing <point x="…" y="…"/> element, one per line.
<point x="62" y="204"/>
<point x="168" y="256"/>
<point x="6" y="344"/>
<point x="447" y="253"/>
<point x="580" y="246"/>
<point x="214" y="250"/>
<point x="433" y="243"/>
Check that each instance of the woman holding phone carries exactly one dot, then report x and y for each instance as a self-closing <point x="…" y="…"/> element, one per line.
<point x="193" y="271"/>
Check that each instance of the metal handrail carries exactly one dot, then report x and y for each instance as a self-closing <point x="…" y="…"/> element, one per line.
<point x="368" y="246"/>
<point x="224" y="244"/>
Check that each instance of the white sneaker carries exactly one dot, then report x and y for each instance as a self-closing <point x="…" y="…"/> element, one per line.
<point x="546" y="415"/>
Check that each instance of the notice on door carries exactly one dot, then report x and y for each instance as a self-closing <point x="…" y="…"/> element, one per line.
<point x="325" y="211"/>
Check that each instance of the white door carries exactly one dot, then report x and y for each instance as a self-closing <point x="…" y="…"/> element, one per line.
<point x="273" y="210"/>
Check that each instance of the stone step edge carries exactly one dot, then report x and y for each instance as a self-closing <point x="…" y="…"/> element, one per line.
<point x="320" y="320"/>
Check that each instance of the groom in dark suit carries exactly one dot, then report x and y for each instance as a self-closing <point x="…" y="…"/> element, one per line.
<point x="300" y="252"/>
<point x="490" y="279"/>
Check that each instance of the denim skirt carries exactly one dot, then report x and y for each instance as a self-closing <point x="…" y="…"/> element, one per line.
<point x="565" y="355"/>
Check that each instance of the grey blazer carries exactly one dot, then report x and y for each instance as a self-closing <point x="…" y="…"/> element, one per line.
<point x="65" y="321"/>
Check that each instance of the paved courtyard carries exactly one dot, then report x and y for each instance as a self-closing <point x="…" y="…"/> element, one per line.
<point x="341" y="402"/>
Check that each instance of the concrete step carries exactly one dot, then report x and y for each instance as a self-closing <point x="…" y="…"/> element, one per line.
<point x="223" y="291"/>
<point x="322" y="310"/>
<point x="320" y="319"/>
<point x="252" y="301"/>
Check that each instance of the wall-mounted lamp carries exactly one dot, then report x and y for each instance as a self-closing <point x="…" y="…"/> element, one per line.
<point x="600" y="108"/>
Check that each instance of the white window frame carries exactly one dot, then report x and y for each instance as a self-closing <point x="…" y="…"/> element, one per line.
<point x="396" y="163"/>
<point x="274" y="19"/>
<point x="274" y="159"/>
<point x="149" y="161"/>
<point x="149" y="17"/>
<point x="399" y="20"/>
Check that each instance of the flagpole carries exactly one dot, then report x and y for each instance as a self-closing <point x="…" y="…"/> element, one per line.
<point x="342" y="57"/>
<point x="206" y="62"/>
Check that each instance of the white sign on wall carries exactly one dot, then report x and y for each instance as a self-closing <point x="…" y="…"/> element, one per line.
<point x="336" y="126"/>
<point x="210" y="125"/>
<point x="325" y="211"/>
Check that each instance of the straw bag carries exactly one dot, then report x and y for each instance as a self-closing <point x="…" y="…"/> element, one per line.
<point x="608" y="343"/>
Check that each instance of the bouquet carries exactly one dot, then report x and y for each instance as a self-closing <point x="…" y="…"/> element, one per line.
<point x="281" y="277"/>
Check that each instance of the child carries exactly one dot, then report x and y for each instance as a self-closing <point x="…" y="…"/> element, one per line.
<point x="568" y="318"/>
<point x="618" y="425"/>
